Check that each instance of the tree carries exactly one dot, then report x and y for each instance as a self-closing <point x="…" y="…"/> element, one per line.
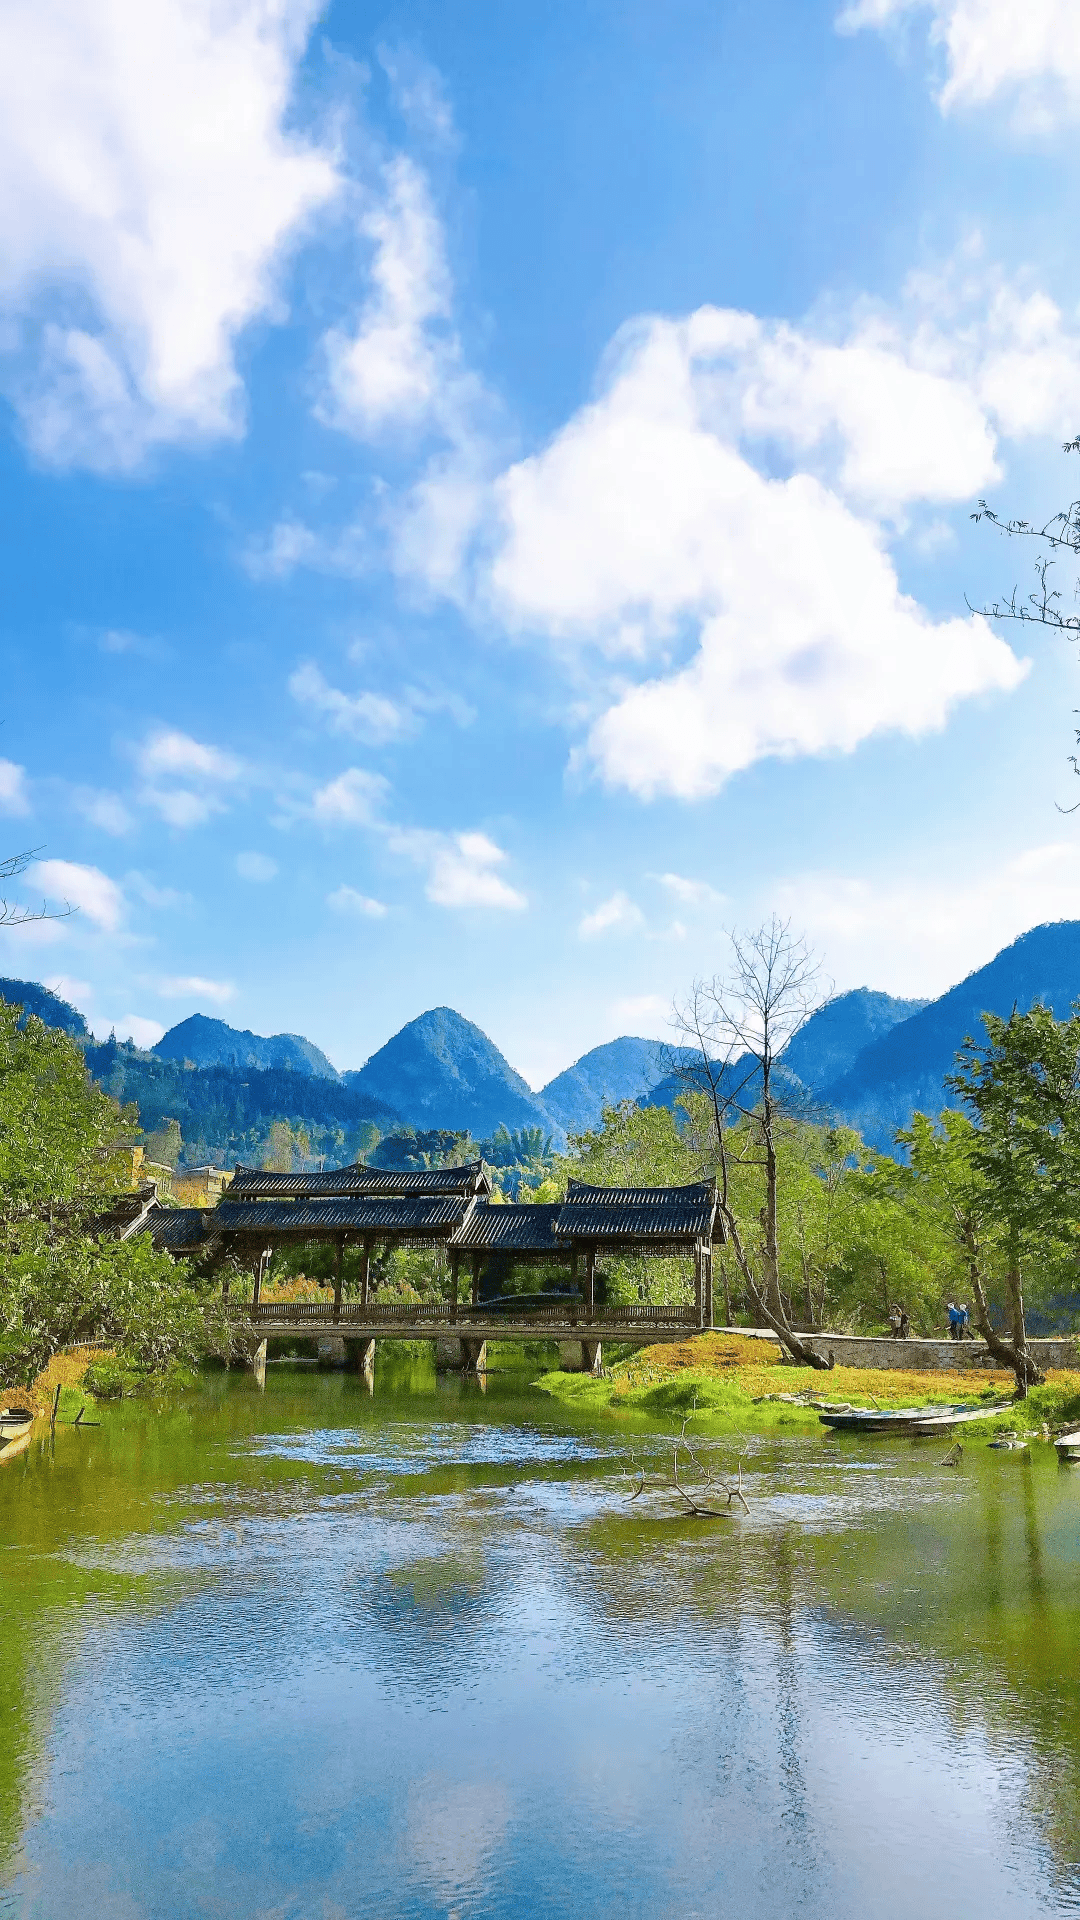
<point x="1023" y="1086"/>
<point x="65" y="1151"/>
<point x="738" y="1024"/>
<point x="1043" y="605"/>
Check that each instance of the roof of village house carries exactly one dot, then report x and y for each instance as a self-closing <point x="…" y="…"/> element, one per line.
<point x="251" y="1183"/>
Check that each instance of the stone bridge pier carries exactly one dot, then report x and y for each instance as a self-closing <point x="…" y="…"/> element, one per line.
<point x="458" y="1353"/>
<point x="580" y="1356"/>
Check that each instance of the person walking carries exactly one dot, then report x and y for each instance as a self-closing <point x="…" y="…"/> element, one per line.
<point x="954" y="1321"/>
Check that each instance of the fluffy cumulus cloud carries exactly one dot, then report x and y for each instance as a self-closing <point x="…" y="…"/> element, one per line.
<point x="400" y="362"/>
<point x="1025" y="49"/>
<point x="462" y="868"/>
<point x="137" y="1027"/>
<point x="185" y="780"/>
<point x="920" y="935"/>
<point x="615" y="915"/>
<point x="86" y="890"/>
<point x="149" y="187"/>
<point x="354" y="799"/>
<point x="715" y="525"/>
<point x="366" y="716"/>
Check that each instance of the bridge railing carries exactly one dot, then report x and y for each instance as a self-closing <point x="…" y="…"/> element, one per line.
<point x="320" y="1313"/>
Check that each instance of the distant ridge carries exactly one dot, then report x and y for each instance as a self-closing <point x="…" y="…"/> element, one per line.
<point x="212" y="1043"/>
<point x="625" y="1069"/>
<point x="46" y="1005"/>
<point x="904" y="1070"/>
<point x="834" y="1037"/>
<point x="443" y="1071"/>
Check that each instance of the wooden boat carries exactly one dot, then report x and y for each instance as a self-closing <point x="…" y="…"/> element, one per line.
<point x="15" y="1425"/>
<point x="906" y="1419"/>
<point x="1068" y="1445"/>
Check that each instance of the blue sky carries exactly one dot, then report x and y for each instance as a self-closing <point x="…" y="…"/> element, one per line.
<point x="487" y="493"/>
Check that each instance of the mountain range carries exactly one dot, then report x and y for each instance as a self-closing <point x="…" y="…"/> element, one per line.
<point x="865" y="1058"/>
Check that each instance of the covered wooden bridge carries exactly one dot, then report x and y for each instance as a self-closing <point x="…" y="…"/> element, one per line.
<point x="451" y="1208"/>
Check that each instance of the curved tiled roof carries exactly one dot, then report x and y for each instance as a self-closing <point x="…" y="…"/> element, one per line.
<point x="516" y="1228"/>
<point x="250" y="1183"/>
<point x="376" y="1214"/>
<point x="638" y="1214"/>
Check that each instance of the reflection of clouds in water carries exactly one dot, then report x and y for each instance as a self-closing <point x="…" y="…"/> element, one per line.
<point x="407" y="1448"/>
<point x="453" y="1828"/>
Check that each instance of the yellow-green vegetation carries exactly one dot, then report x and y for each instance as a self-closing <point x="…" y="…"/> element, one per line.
<point x="732" y="1383"/>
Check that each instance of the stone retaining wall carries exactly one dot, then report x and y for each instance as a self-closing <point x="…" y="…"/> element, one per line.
<point x="925" y="1356"/>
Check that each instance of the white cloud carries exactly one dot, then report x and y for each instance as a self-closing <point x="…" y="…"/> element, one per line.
<point x="615" y="915"/>
<point x="13" y="795"/>
<point x="367" y="716"/>
<point x="148" y="192"/>
<point x="86" y="889"/>
<point x="135" y="1026"/>
<point x="104" y="810"/>
<point x="347" y="900"/>
<point x="77" y="992"/>
<point x="256" y="866"/>
<point x="168" y="755"/>
<point x="645" y="526"/>
<point x="647" y="1008"/>
<point x="1028" y="49"/>
<point x="169" y="752"/>
<point x="160" y="898"/>
<point x="691" y="893"/>
<point x="461" y="867"/>
<point x="354" y="799"/>
<point x="398" y="365"/>
<point x="192" y="986"/>
<point x="920" y="935"/>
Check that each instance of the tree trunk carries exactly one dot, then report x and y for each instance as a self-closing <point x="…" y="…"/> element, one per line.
<point x="1028" y="1374"/>
<point x="803" y="1355"/>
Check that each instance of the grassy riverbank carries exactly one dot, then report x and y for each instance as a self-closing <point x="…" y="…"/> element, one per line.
<point x="743" y="1384"/>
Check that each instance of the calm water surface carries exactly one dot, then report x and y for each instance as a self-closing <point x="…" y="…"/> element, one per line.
<point x="310" y="1652"/>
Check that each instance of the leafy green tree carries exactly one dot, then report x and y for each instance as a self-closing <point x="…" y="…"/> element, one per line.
<point x="65" y="1151"/>
<point x="1023" y="1087"/>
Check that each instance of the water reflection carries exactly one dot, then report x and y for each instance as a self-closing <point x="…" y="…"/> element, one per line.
<point x="313" y="1652"/>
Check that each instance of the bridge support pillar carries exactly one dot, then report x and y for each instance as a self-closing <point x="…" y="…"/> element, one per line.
<point x="257" y="1362"/>
<point x="580" y="1356"/>
<point x="360" y="1353"/>
<point x="457" y="1354"/>
<point x="331" y="1350"/>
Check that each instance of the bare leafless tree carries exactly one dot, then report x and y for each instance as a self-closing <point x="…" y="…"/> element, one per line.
<point x="737" y="1025"/>
<point x="11" y="913"/>
<point x="1044" y="605"/>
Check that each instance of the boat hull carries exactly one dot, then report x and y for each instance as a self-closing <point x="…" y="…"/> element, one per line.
<point x="907" y="1420"/>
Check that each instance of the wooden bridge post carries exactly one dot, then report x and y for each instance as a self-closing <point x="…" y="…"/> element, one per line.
<point x="699" y="1301"/>
<point x="709" y="1313"/>
<point x="339" y="1251"/>
<point x="454" y="1258"/>
<point x="590" y="1278"/>
<point x="365" y="1275"/>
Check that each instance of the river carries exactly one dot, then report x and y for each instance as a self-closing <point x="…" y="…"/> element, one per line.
<point x="315" y="1652"/>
